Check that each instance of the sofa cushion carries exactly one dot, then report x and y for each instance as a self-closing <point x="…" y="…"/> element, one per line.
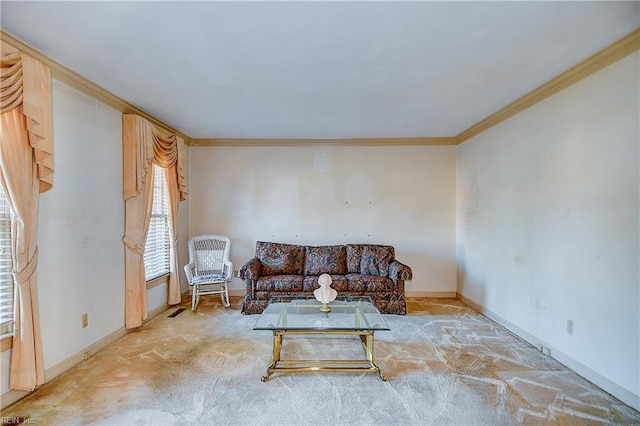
<point x="376" y="260"/>
<point x="358" y="283"/>
<point x="338" y="283"/>
<point x="267" y="295"/>
<point x="325" y="260"/>
<point x="280" y="283"/>
<point x="354" y="257"/>
<point x="276" y="258"/>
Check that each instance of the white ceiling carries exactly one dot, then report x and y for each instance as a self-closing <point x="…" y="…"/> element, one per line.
<point x="319" y="69"/>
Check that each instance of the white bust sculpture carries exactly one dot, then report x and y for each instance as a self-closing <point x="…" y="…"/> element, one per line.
<point x="325" y="293"/>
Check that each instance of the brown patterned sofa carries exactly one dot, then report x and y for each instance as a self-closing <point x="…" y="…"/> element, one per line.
<point x="356" y="270"/>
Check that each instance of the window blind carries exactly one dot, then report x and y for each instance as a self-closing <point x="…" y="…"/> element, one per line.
<point x="6" y="267"/>
<point x="157" y="246"/>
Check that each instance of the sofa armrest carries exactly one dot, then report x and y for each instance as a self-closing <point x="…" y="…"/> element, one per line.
<point x="399" y="271"/>
<point x="250" y="270"/>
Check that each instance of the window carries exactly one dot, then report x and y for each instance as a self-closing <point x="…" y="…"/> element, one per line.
<point x="157" y="248"/>
<point x="6" y="267"/>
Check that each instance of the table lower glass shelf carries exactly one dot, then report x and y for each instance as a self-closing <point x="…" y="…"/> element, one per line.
<point x="368" y="365"/>
<point x="348" y="315"/>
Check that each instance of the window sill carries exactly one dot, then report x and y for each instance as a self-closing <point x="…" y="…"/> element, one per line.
<point x="162" y="279"/>
<point x="6" y="342"/>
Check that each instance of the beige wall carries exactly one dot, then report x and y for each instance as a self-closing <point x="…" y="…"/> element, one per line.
<point x="548" y="231"/>
<point x="81" y="220"/>
<point x="81" y="224"/>
<point x="402" y="196"/>
<point x="80" y="267"/>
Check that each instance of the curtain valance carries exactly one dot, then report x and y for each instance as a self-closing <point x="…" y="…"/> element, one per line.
<point x="26" y="82"/>
<point x="26" y="169"/>
<point x="145" y="143"/>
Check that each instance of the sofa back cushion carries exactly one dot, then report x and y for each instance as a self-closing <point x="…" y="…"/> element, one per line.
<point x="325" y="260"/>
<point x="376" y="260"/>
<point x="354" y="257"/>
<point x="280" y="259"/>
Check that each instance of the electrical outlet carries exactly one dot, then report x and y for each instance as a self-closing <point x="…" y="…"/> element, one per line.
<point x="546" y="351"/>
<point x="85" y="320"/>
<point x="86" y="355"/>
<point x="570" y="327"/>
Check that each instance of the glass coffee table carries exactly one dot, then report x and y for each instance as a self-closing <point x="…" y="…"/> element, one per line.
<point x="349" y="315"/>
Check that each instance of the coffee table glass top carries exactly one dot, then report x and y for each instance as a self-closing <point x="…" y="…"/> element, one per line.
<point x="303" y="313"/>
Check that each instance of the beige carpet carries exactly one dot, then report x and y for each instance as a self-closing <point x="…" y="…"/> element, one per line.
<point x="447" y="365"/>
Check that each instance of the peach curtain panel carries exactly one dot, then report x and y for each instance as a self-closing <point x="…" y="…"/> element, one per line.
<point x="174" y="202"/>
<point x="26" y="169"/>
<point x="144" y="144"/>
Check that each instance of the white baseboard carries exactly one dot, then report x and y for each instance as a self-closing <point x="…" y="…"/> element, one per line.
<point x="438" y="294"/>
<point x="89" y="351"/>
<point x="51" y="373"/>
<point x="236" y="292"/>
<point x="594" y="377"/>
<point x="11" y="397"/>
<point x="157" y="311"/>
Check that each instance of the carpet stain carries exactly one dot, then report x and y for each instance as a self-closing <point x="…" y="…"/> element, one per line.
<point x="446" y="365"/>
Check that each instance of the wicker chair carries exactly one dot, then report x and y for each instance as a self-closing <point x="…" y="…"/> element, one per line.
<point x="209" y="270"/>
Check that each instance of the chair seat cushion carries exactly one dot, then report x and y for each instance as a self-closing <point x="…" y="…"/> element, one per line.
<point x="211" y="278"/>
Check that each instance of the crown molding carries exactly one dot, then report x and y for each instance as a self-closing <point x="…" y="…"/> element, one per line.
<point x="607" y="56"/>
<point x="343" y="142"/>
<point x="76" y="81"/>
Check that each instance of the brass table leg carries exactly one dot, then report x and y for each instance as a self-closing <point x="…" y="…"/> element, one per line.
<point x="275" y="355"/>
<point x="367" y="342"/>
<point x="366" y="338"/>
